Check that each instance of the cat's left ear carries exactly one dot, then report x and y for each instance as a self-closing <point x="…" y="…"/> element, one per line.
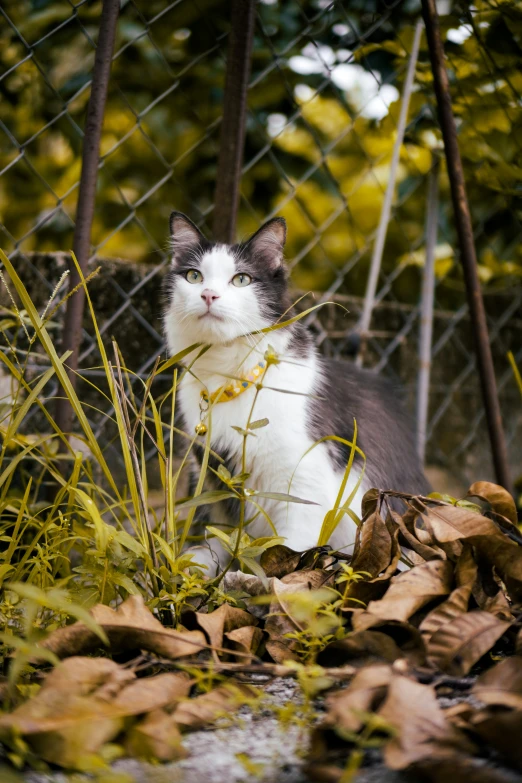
<point x="267" y="244"/>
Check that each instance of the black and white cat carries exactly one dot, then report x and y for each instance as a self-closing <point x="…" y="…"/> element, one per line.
<point x="221" y="295"/>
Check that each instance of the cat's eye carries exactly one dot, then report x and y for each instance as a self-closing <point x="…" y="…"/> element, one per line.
<point x="241" y="280"/>
<point x="193" y="276"/>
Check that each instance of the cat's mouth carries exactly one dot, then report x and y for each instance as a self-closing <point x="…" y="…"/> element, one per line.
<point x="213" y="316"/>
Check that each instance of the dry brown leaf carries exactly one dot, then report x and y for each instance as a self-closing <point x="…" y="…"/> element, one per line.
<point x="425" y="551"/>
<point x="370" y="502"/>
<point x="457" y="646"/>
<point x="156" y="738"/>
<point x="282" y="651"/>
<point x="422" y="731"/>
<point x="323" y="773"/>
<point x="373" y="589"/>
<point x="465" y="568"/>
<point x="495" y="604"/>
<point x="367" y="646"/>
<point x="501" y="729"/>
<point x="500" y="500"/>
<point x="208" y="707"/>
<point x="132" y="626"/>
<point x="224" y="619"/>
<point x="246" y="640"/>
<point x="97" y="679"/>
<point x="407" y="593"/>
<point x="150" y="693"/>
<point x="71" y="716"/>
<point x="501" y="685"/>
<point x="489" y="590"/>
<point x="459" y="767"/>
<point x="374" y="550"/>
<point x="459" y="714"/>
<point x="451" y="523"/>
<point x="406" y="637"/>
<point x="280" y="620"/>
<point x="518" y="643"/>
<point x="251" y="585"/>
<point x="396" y="554"/>
<point x="364" y="592"/>
<point x="408" y="517"/>
<point x="365" y="693"/>
<point x="279" y="560"/>
<point x="505" y="555"/>
<point x="85" y="676"/>
<point x="304" y="580"/>
<point x="457" y="603"/>
<point x="316" y="559"/>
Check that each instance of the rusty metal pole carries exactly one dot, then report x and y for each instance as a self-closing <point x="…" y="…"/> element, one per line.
<point x="232" y="139"/>
<point x="466" y="245"/>
<point x="72" y="328"/>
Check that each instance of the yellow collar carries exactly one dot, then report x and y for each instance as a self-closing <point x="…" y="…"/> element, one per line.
<point x="234" y="389"/>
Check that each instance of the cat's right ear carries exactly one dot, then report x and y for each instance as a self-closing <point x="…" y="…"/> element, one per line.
<point x="268" y="242"/>
<point x="184" y="234"/>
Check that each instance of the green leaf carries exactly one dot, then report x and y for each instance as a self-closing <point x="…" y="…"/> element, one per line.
<point x="227" y="540"/>
<point x="242" y="431"/>
<point x="178" y="357"/>
<point x="256" y="569"/>
<point x="28" y="649"/>
<point x="212" y="496"/>
<point x="59" y="369"/>
<point x="124" y="581"/>
<point x="59" y="601"/>
<point x="220" y="534"/>
<point x="103" y="531"/>
<point x="256" y="425"/>
<point x="165" y="549"/>
<point x="295" y="318"/>
<point x="239" y="479"/>
<point x="283" y="497"/>
<point x="251" y="551"/>
<point x="4" y="570"/>
<point x="129" y="542"/>
<point x="267" y="541"/>
<point x="224" y="474"/>
<point x="22" y="411"/>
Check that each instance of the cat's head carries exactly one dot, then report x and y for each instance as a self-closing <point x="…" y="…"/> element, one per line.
<point x="219" y="292"/>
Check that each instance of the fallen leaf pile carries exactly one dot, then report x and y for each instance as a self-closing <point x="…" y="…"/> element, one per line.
<point x="418" y="632"/>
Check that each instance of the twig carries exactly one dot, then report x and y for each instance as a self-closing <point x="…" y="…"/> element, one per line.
<point x="124" y="402"/>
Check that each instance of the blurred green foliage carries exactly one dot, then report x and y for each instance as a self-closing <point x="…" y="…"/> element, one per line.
<point x="317" y="149"/>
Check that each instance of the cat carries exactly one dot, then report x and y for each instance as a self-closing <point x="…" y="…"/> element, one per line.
<point x="222" y="296"/>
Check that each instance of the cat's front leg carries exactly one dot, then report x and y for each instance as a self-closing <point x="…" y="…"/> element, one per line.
<point x="300" y="525"/>
<point x="212" y="554"/>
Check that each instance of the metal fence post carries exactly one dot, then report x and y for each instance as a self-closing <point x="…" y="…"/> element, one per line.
<point x="72" y="328"/>
<point x="426" y="319"/>
<point x="232" y="139"/>
<point x="466" y="245"/>
<point x="378" y="248"/>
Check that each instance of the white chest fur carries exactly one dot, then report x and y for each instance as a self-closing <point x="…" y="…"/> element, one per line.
<point x="281" y="457"/>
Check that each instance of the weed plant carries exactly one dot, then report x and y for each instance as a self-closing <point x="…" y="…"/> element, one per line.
<point x="70" y="541"/>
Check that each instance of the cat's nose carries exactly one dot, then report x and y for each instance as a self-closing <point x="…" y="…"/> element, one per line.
<point x="209" y="296"/>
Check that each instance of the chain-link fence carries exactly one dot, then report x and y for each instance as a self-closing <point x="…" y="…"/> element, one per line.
<point x="323" y="103"/>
